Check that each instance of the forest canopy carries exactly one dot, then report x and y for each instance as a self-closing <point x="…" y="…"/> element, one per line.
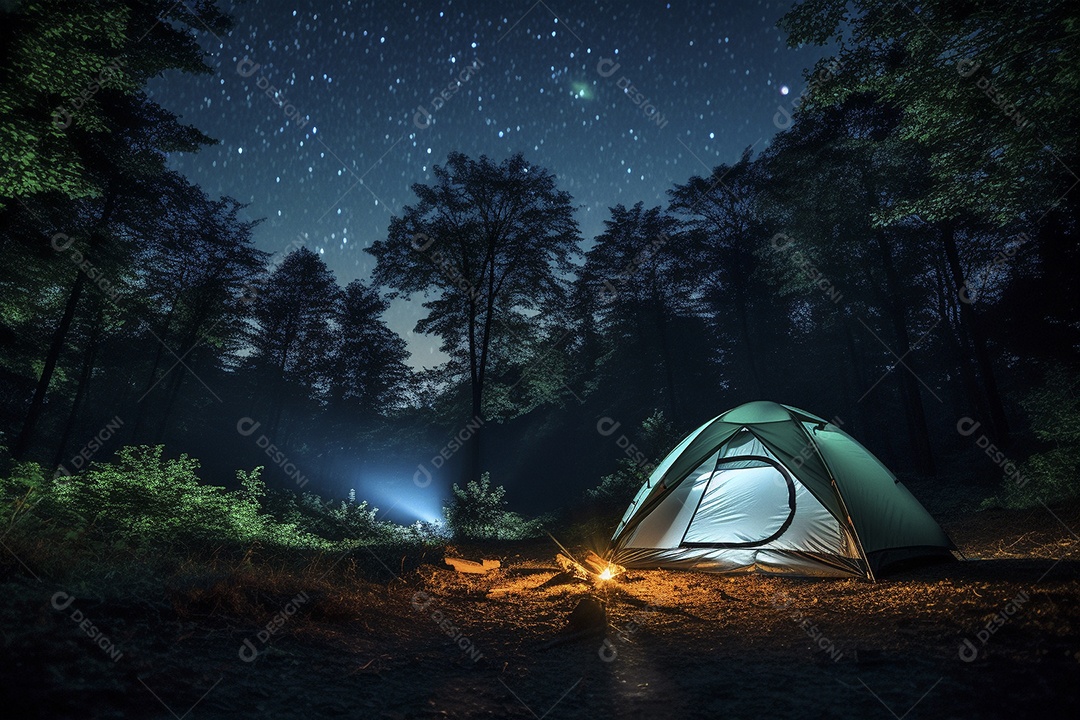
<point x="898" y="257"/>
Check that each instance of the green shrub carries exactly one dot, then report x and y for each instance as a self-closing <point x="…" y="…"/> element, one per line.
<point x="144" y="501"/>
<point x="478" y="512"/>
<point x="619" y="487"/>
<point x="20" y="491"/>
<point x="1052" y="475"/>
<point x="357" y="521"/>
<point x="658" y="435"/>
<point x="142" y="498"/>
<point x="655" y="438"/>
<point x="422" y="532"/>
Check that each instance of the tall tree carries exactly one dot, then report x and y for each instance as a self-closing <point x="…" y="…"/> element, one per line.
<point x="827" y="177"/>
<point x="490" y="242"/>
<point x="367" y="370"/>
<point x="366" y="377"/>
<point x="631" y="270"/>
<point x="76" y="124"/>
<point x="294" y="313"/>
<point x="192" y="275"/>
<point x="72" y="76"/>
<point x="987" y="88"/>
<point x="722" y="259"/>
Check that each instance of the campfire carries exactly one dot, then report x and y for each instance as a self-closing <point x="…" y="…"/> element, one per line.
<point x="592" y="567"/>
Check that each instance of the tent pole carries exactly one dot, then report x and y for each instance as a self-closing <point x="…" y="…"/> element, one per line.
<point x="840" y="497"/>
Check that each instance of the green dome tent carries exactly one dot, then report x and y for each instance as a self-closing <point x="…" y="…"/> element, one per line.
<point x="771" y="488"/>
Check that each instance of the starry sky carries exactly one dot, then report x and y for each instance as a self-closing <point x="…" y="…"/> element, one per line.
<point x="328" y="112"/>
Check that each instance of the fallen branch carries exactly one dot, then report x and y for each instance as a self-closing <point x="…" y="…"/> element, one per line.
<point x="468" y="566"/>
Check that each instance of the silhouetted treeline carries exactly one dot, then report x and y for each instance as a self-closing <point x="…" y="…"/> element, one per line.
<point x="899" y="259"/>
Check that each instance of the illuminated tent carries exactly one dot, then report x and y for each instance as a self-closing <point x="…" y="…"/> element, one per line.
<point x="771" y="488"/>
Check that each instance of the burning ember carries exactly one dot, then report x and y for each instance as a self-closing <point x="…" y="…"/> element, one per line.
<point x="593" y="566"/>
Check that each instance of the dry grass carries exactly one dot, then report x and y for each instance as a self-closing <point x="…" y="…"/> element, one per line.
<point x="382" y="632"/>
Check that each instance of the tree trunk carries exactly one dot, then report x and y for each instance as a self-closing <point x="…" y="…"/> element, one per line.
<point x="89" y="357"/>
<point x="140" y="412"/>
<point x="480" y="373"/>
<point x="918" y="431"/>
<point x="748" y="348"/>
<point x="860" y="420"/>
<point x="471" y="469"/>
<point x="59" y="338"/>
<point x="958" y="347"/>
<point x="56" y="346"/>
<point x="665" y="359"/>
<point x="978" y="340"/>
<point x="474" y="464"/>
<point x="192" y="338"/>
<point x="142" y="403"/>
<point x="170" y="401"/>
<point x="647" y="360"/>
<point x="280" y="387"/>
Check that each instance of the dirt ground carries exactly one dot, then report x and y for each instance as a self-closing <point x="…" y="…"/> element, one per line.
<point x="429" y="642"/>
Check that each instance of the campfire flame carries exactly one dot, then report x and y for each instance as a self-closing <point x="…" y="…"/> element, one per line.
<point x="606" y="574"/>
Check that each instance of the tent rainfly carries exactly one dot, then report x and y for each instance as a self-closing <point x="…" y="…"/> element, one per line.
<point x="771" y="488"/>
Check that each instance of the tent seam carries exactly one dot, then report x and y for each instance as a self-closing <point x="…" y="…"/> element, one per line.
<point x="839" y="496"/>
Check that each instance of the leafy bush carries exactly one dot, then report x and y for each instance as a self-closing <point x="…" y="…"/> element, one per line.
<point x="341" y="521"/>
<point x="142" y="499"/>
<point x="20" y="490"/>
<point x="1054" y="474"/>
<point x="422" y="532"/>
<point x="478" y="512"/>
<point x="655" y="438"/>
<point x="618" y="488"/>
<point x="658" y="434"/>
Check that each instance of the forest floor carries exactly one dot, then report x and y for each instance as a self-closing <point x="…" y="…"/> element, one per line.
<point x="424" y="641"/>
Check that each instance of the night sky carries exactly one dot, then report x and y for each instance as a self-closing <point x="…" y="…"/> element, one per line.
<point x="353" y="76"/>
